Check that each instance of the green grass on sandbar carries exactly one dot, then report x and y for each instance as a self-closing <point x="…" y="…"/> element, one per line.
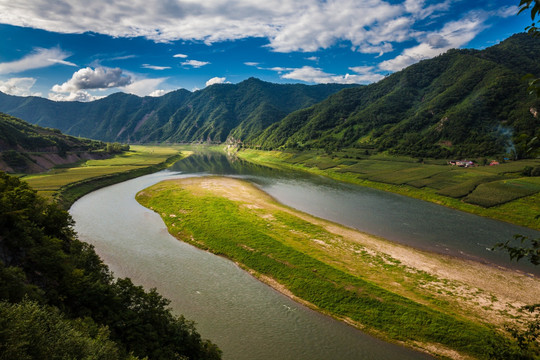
<point x="238" y="232"/>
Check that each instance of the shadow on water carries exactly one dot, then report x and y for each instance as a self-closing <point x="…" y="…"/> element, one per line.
<point x="409" y="221"/>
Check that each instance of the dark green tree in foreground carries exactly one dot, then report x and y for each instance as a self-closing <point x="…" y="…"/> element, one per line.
<point x="527" y="248"/>
<point x="51" y="284"/>
<point x="533" y="30"/>
<point x="528" y="336"/>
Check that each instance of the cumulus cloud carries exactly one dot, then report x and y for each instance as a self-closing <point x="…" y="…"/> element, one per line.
<point x="80" y="95"/>
<point x="98" y="78"/>
<point x="216" y="80"/>
<point x="195" y="63"/>
<point x="154" y="67"/>
<point x="158" y="93"/>
<point x="19" y="86"/>
<point x="183" y="56"/>
<point x="315" y="75"/>
<point x="143" y="87"/>
<point x="251" y="63"/>
<point x="39" y="58"/>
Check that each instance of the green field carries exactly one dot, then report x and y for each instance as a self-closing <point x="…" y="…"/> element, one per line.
<point x="68" y="183"/>
<point x="500" y="192"/>
<point x="319" y="267"/>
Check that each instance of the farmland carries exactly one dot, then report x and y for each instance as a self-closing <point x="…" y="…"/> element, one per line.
<point x="501" y="192"/>
<point x="68" y="183"/>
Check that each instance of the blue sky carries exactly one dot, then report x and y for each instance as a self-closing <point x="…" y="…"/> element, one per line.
<point x="84" y="50"/>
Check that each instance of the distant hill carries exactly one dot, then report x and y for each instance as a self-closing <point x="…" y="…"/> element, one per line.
<point x="241" y="110"/>
<point x="462" y="103"/>
<point x="29" y="148"/>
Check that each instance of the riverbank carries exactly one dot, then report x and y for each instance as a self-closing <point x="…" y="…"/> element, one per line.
<point x="428" y="301"/>
<point x="499" y="192"/>
<point x="67" y="184"/>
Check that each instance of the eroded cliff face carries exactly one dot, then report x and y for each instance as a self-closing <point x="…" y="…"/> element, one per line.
<point x="32" y="163"/>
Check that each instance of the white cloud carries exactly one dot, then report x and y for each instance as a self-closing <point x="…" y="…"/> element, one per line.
<point x="315" y="75"/>
<point x="39" y="58"/>
<point x="419" y="10"/>
<point x="182" y="56"/>
<point x="63" y="62"/>
<point x="215" y="80"/>
<point x="154" y="67"/>
<point x="506" y="11"/>
<point x="98" y="78"/>
<point x="80" y="95"/>
<point x="251" y="63"/>
<point x="312" y="58"/>
<point x="454" y="34"/>
<point x="279" y="69"/>
<point x="300" y="25"/>
<point x="143" y="87"/>
<point x="19" y="86"/>
<point x="195" y="63"/>
<point x="158" y="93"/>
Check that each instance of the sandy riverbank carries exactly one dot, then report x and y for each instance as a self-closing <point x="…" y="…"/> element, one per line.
<point x="454" y="286"/>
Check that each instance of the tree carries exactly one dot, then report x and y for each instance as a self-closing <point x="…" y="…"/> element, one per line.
<point x="533" y="30"/>
<point x="527" y="338"/>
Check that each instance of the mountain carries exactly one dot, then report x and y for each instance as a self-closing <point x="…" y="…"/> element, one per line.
<point x="30" y="148"/>
<point x="462" y="103"/>
<point x="241" y="110"/>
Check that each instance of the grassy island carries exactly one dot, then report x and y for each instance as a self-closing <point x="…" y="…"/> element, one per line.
<point x="431" y="302"/>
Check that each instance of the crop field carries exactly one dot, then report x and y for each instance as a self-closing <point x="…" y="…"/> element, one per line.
<point x="484" y="190"/>
<point x="138" y="157"/>
<point x="503" y="191"/>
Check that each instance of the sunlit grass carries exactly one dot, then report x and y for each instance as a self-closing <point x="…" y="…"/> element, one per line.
<point x="337" y="276"/>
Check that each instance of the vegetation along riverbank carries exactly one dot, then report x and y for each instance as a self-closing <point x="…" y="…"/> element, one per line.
<point x="507" y="191"/>
<point x="69" y="183"/>
<point x="427" y="301"/>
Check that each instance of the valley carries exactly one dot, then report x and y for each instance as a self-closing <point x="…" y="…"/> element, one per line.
<point x="371" y="211"/>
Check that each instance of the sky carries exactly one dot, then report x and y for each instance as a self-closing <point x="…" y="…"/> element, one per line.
<point x="72" y="50"/>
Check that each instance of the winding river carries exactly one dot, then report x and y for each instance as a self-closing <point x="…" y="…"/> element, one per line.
<point x="245" y="318"/>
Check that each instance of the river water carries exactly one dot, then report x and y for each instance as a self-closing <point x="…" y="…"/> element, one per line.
<point x="245" y="318"/>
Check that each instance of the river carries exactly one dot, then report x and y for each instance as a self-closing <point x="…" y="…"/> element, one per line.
<point x="245" y="318"/>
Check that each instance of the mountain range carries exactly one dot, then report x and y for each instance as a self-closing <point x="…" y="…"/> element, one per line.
<point x="211" y="114"/>
<point x="461" y="103"/>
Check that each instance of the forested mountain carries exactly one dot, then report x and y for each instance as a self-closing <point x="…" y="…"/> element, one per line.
<point x="461" y="103"/>
<point x="59" y="301"/>
<point x="30" y="148"/>
<point x="214" y="113"/>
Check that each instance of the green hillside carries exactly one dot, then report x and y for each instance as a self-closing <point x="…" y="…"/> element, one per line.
<point x="22" y="145"/>
<point x="459" y="104"/>
<point x="212" y="114"/>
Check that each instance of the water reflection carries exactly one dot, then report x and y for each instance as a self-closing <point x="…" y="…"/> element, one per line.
<point x="395" y="217"/>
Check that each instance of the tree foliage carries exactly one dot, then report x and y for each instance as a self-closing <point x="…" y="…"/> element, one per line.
<point x="41" y="259"/>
